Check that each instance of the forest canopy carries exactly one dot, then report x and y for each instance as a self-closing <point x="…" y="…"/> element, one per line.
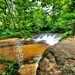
<point x="24" y="18"/>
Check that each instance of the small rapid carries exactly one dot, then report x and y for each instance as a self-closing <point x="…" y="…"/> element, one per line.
<point x="17" y="47"/>
<point x="48" y="38"/>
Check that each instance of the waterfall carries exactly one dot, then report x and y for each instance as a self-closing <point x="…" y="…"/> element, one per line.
<point x="47" y="38"/>
<point x="18" y="50"/>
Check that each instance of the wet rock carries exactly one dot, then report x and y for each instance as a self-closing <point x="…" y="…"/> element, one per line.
<point x="58" y="59"/>
<point x="24" y="53"/>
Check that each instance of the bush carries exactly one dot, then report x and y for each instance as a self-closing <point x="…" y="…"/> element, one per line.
<point x="11" y="67"/>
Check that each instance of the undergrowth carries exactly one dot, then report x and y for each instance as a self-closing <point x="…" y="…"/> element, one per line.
<point x="11" y="67"/>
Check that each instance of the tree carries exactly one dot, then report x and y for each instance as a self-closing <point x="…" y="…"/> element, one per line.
<point x="20" y="18"/>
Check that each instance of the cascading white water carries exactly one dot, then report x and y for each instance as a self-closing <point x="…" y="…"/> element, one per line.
<point x="48" y="38"/>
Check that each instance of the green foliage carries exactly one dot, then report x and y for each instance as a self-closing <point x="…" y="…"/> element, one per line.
<point x="0" y="24"/>
<point x="23" y="18"/>
<point x="11" y="67"/>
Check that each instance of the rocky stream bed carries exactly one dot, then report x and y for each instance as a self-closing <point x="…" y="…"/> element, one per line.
<point x="56" y="60"/>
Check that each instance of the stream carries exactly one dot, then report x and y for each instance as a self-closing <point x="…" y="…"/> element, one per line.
<point x="48" y="38"/>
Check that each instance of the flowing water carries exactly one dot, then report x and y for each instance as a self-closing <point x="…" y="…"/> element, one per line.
<point x="47" y="38"/>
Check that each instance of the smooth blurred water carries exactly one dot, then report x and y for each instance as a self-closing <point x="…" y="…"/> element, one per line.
<point x="48" y="38"/>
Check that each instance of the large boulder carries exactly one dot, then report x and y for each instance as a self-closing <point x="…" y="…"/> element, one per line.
<point x="58" y="59"/>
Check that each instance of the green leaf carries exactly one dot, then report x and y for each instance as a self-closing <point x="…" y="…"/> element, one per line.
<point x="1" y="24"/>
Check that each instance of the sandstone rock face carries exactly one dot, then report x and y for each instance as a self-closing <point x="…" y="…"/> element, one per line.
<point x="28" y="69"/>
<point x="58" y="59"/>
<point x="14" y="48"/>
